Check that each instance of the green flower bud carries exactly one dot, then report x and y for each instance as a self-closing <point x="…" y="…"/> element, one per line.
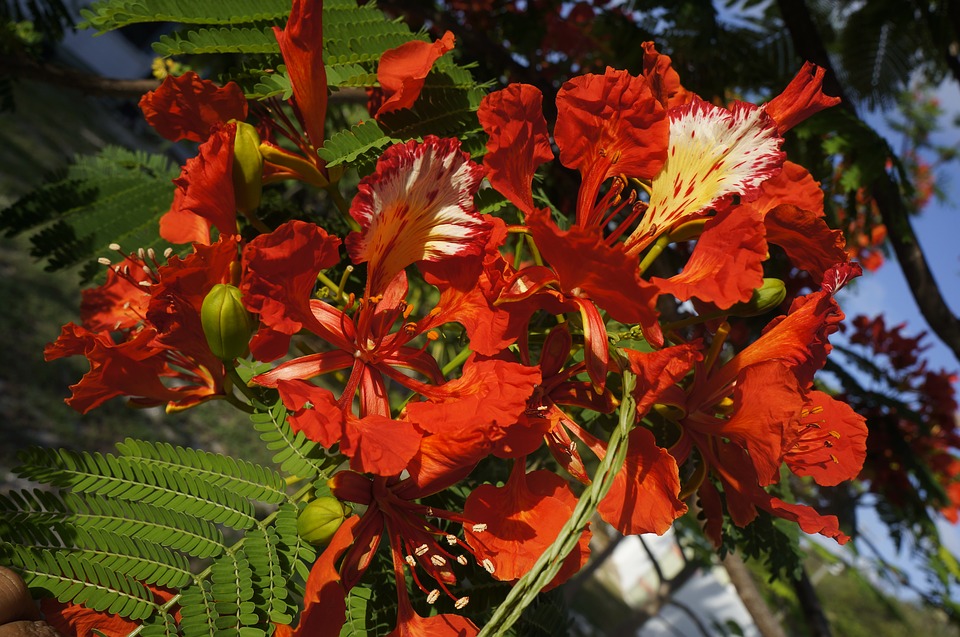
<point x="320" y="519"/>
<point x="765" y="298"/>
<point x="247" y="167"/>
<point x="226" y="323"/>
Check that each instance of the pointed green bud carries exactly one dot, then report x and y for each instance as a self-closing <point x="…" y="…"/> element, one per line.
<point x="247" y="167"/>
<point x="226" y="323"/>
<point x="320" y="519"/>
<point x="765" y="298"/>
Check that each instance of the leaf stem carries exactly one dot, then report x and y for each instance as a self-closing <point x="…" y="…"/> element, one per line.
<point x="549" y="563"/>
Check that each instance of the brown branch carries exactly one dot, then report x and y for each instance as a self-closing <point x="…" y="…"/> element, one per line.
<point x="812" y="608"/>
<point x="750" y="595"/>
<point x="87" y="83"/>
<point x="884" y="190"/>
<point x="96" y="85"/>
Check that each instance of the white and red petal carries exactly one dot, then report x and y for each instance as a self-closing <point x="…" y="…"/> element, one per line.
<point x="714" y="153"/>
<point x="417" y="206"/>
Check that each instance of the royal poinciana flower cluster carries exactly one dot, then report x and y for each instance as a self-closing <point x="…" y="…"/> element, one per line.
<point x="540" y="294"/>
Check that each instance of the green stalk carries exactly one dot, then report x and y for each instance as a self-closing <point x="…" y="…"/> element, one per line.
<point x="549" y="563"/>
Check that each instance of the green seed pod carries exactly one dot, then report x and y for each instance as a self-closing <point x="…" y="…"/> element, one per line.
<point x="765" y="298"/>
<point x="247" y="167"/>
<point x="226" y="323"/>
<point x="320" y="519"/>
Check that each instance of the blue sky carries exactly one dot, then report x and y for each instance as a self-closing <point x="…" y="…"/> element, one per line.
<point x="886" y="291"/>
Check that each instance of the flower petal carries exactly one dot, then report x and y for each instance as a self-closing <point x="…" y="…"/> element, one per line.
<point x="608" y="125"/>
<point x="301" y="46"/>
<point x="280" y="271"/>
<point x="714" y="153"/>
<point x="801" y="98"/>
<point x="829" y="443"/>
<point x="727" y="262"/>
<point x="187" y="107"/>
<point x="404" y="69"/>
<point x="518" y="143"/>
<point x="204" y="191"/>
<point x="417" y="206"/>
<point x="649" y="475"/>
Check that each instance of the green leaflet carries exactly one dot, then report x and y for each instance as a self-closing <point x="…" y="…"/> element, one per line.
<point x="134" y="479"/>
<point x="239" y="476"/>
<point x="113" y="14"/>
<point x="115" y="196"/>
<point x="72" y="577"/>
<point x="120" y="529"/>
<point x="25" y="513"/>
<point x="295" y="454"/>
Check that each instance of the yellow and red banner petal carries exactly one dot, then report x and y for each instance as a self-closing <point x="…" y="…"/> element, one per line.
<point x="417" y="206"/>
<point x="715" y="154"/>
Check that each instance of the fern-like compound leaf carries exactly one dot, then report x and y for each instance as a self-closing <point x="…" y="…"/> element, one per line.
<point x="72" y="577"/>
<point x="248" y="40"/>
<point x="113" y="14"/>
<point x="198" y="614"/>
<point x="116" y="196"/>
<point x="366" y="138"/>
<point x="295" y="454"/>
<point x="135" y="480"/>
<point x="26" y="510"/>
<point x="238" y="476"/>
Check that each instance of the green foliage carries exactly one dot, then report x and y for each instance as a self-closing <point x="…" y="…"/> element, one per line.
<point x="365" y="140"/>
<point x="238" y="476"/>
<point x="295" y="454"/>
<point x="113" y="14"/>
<point x="150" y="516"/>
<point x="772" y="540"/>
<point x="116" y="196"/>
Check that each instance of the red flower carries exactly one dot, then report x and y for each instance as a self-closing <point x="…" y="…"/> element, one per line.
<point x="714" y="153"/>
<point x="188" y="107"/>
<point x="161" y="355"/>
<point x="404" y="69"/>
<point x="365" y="344"/>
<point x="756" y="411"/>
<point x="609" y="125"/>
